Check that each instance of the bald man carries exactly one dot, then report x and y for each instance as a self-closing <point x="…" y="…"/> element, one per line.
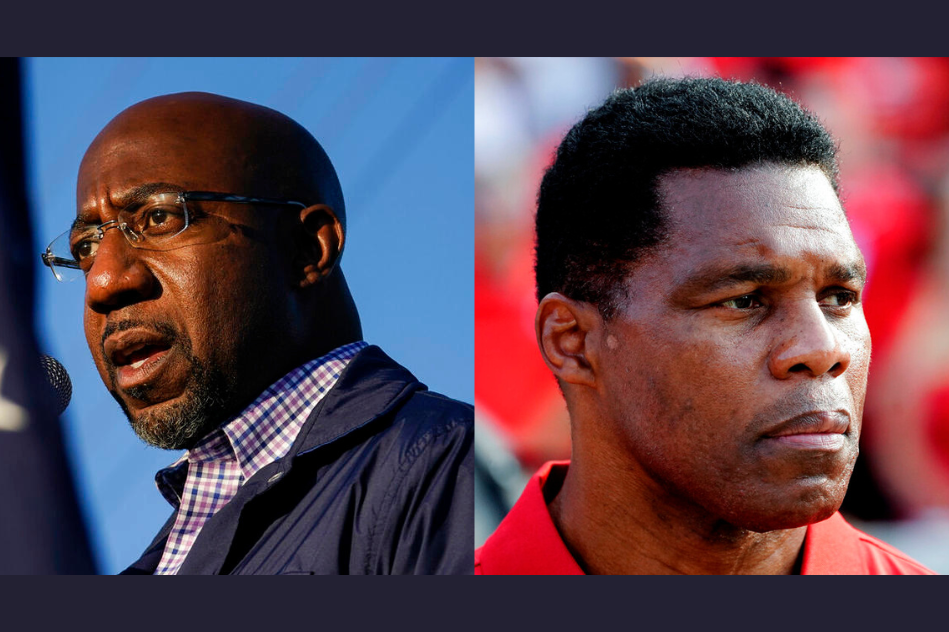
<point x="209" y="232"/>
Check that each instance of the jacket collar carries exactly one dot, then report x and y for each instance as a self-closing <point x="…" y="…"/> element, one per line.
<point x="370" y="386"/>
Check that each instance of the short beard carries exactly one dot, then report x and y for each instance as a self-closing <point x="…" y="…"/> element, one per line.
<point x="200" y="409"/>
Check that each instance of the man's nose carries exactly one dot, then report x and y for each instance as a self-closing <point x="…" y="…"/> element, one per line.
<point x="808" y="343"/>
<point x="118" y="276"/>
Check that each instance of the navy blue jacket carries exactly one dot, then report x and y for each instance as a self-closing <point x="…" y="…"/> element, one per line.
<point x="379" y="481"/>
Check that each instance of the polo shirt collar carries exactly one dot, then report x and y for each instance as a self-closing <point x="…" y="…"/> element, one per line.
<point x="832" y="547"/>
<point x="528" y="543"/>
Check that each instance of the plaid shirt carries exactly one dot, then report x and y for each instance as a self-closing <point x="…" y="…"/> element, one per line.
<point x="206" y="477"/>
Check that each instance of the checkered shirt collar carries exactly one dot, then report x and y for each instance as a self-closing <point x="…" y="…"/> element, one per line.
<point x="265" y="430"/>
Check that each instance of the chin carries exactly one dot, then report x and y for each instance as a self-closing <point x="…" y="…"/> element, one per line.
<point x="796" y="496"/>
<point x="791" y="519"/>
<point x="797" y="508"/>
<point x="181" y="421"/>
<point x="172" y="425"/>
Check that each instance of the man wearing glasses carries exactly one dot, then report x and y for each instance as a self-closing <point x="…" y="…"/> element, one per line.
<point x="209" y="233"/>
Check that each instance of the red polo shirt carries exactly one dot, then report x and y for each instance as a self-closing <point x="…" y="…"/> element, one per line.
<point x="527" y="543"/>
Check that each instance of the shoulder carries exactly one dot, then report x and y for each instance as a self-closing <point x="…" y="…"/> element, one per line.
<point x="435" y="406"/>
<point x="426" y="415"/>
<point x="883" y="559"/>
<point x="835" y="547"/>
<point x="424" y="523"/>
<point x="378" y="401"/>
<point x="527" y="541"/>
<point x="429" y="425"/>
<point x="379" y="407"/>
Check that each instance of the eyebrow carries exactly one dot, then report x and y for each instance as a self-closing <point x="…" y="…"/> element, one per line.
<point x="856" y="271"/>
<point x="133" y="196"/>
<point x="714" y="278"/>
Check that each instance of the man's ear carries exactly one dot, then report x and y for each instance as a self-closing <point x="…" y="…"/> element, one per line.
<point x="320" y="244"/>
<point x="566" y="334"/>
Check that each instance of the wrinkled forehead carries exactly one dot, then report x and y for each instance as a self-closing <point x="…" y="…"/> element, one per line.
<point x="191" y="152"/>
<point x="206" y="142"/>
<point x="713" y="198"/>
<point x="783" y="214"/>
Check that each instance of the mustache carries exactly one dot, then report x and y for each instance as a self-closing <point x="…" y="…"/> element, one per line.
<point x="167" y="330"/>
<point x="804" y="402"/>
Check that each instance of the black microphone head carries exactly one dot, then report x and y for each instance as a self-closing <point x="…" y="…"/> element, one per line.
<point x="59" y="380"/>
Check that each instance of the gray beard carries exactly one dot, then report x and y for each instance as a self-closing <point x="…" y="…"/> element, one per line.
<point x="201" y="408"/>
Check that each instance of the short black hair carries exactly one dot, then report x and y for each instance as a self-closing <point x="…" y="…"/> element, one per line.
<point x="598" y="209"/>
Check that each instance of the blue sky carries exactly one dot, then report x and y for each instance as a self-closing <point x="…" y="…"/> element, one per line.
<point x="400" y="134"/>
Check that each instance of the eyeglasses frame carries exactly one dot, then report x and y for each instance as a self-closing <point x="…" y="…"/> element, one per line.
<point x="183" y="196"/>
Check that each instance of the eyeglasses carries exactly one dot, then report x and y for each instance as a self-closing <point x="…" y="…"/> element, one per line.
<point x="163" y="222"/>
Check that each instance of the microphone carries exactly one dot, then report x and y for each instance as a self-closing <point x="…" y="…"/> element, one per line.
<point x="58" y="378"/>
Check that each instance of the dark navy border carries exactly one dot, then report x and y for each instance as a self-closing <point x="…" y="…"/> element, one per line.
<point x="472" y="603"/>
<point x="490" y="27"/>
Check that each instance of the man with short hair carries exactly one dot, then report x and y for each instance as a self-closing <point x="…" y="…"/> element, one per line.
<point x="700" y="307"/>
<point x="210" y="232"/>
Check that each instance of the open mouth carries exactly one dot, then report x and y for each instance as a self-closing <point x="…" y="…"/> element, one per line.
<point x="136" y="355"/>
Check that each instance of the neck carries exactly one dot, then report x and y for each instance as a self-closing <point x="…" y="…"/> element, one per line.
<point x="329" y="318"/>
<point x="614" y="523"/>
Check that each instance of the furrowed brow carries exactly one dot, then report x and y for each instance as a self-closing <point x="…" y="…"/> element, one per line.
<point x="848" y="272"/>
<point x="135" y="196"/>
<point x="80" y="223"/>
<point x="716" y="278"/>
<point x="141" y="193"/>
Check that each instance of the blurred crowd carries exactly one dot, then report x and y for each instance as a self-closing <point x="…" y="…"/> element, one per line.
<point x="891" y="118"/>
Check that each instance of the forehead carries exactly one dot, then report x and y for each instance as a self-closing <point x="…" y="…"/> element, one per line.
<point x="125" y="156"/>
<point x="785" y="215"/>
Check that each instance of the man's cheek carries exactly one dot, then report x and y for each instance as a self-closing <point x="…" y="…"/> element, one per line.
<point x="98" y="357"/>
